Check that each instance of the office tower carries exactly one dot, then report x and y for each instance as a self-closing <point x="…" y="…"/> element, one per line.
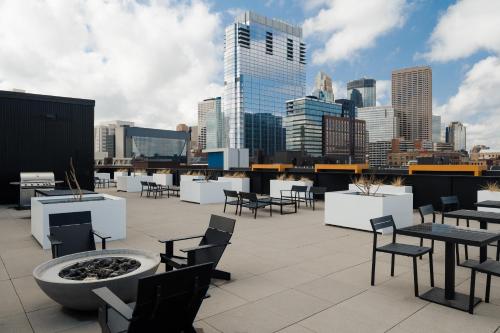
<point x="206" y="107"/>
<point x="323" y="88"/>
<point x="194" y="138"/>
<point x="304" y="124"/>
<point x="362" y="92"/>
<point x="344" y="139"/>
<point x="456" y="135"/>
<point x="377" y="153"/>
<point x="214" y="129"/>
<point x="436" y="128"/>
<point x="104" y="137"/>
<point x="412" y="101"/>
<point x="182" y="128"/>
<point x="264" y="66"/>
<point x="381" y="123"/>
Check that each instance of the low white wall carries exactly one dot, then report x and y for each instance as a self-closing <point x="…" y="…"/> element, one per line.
<point x="237" y="184"/>
<point x="276" y="185"/>
<point x="165" y="179"/>
<point x="131" y="183"/>
<point x="203" y="192"/>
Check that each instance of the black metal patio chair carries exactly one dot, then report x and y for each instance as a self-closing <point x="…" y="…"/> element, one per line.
<point x="488" y="267"/>
<point x="156" y="189"/>
<point x="394" y="249"/>
<point x="231" y="198"/>
<point x="424" y="211"/>
<point x="174" y="190"/>
<point x="210" y="249"/>
<point x="72" y="233"/>
<point x="99" y="183"/>
<point x="166" y="302"/>
<point x="298" y="193"/>
<point x="313" y="193"/>
<point x="448" y="204"/>
<point x="252" y="202"/>
<point x="145" y="188"/>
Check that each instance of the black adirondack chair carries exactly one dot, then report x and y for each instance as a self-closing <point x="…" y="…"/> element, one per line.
<point x="231" y="198"/>
<point x="448" y="204"/>
<point x="250" y="201"/>
<point x="210" y="249"/>
<point x="72" y="233"/>
<point x="394" y="249"/>
<point x="166" y="302"/>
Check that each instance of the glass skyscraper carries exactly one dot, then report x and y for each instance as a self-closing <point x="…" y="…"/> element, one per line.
<point x="264" y="66"/>
<point x="363" y="92"/>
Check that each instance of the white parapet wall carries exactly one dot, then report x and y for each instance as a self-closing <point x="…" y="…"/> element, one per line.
<point x="352" y="210"/>
<point x="203" y="192"/>
<point x="109" y="216"/>
<point x="165" y="179"/>
<point x="276" y="186"/>
<point x="237" y="184"/>
<point x="386" y="189"/>
<point x="131" y="183"/>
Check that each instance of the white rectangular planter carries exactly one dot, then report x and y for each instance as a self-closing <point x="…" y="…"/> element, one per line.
<point x="191" y="178"/>
<point x="385" y="189"/>
<point x="108" y="216"/>
<point x="102" y="175"/>
<point x="203" y="192"/>
<point x="276" y="185"/>
<point x="484" y="195"/>
<point x="131" y="183"/>
<point x="345" y="209"/>
<point x="165" y="179"/>
<point x="237" y="184"/>
<point x="117" y="174"/>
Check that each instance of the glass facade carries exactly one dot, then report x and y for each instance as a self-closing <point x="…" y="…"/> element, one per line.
<point x="381" y="122"/>
<point x="363" y="92"/>
<point x="214" y="129"/>
<point x="208" y="110"/>
<point x="264" y="66"/>
<point x="304" y="124"/>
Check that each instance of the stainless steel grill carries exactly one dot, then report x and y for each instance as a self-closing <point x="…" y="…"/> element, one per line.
<point x="31" y="181"/>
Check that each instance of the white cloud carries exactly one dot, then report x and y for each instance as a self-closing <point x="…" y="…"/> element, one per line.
<point x="347" y="27"/>
<point x="147" y="63"/>
<point x="477" y="103"/>
<point x="384" y="92"/>
<point x="465" y="28"/>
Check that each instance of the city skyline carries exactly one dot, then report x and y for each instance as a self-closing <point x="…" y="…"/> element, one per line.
<point x="142" y="87"/>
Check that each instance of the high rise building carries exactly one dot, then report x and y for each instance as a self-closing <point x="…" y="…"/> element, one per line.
<point x="456" y="135"/>
<point x="377" y="153"/>
<point x="362" y="92"/>
<point x="436" y="128"/>
<point x="344" y="139"/>
<point x="304" y="123"/>
<point x="205" y="108"/>
<point x="264" y="66"/>
<point x="412" y="101"/>
<point x="382" y="123"/>
<point x="194" y="138"/>
<point x="214" y="129"/>
<point x="104" y="137"/>
<point x="323" y="88"/>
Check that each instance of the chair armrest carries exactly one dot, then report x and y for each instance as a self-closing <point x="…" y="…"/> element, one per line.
<point x="203" y="247"/>
<point x="53" y="241"/>
<point x="180" y="238"/>
<point x="95" y="232"/>
<point x="114" y="302"/>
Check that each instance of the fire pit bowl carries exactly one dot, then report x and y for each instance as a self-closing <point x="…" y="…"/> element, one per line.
<point x="77" y="294"/>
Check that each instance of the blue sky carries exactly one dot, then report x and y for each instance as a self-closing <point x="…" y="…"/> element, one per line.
<point x="152" y="61"/>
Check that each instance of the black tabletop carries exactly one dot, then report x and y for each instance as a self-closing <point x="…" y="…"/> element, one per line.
<point x="488" y="204"/>
<point x="58" y="193"/>
<point x="490" y="217"/>
<point x="448" y="233"/>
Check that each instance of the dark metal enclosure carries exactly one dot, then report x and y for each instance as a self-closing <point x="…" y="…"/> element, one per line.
<point x="42" y="133"/>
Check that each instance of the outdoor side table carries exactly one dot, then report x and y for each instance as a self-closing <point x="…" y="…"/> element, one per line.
<point x="452" y="236"/>
<point x="483" y="218"/>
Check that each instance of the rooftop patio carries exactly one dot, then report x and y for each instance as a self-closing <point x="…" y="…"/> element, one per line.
<point x="290" y="273"/>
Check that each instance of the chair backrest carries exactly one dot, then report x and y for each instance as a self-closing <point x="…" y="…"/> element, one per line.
<point x="170" y="301"/>
<point x="317" y="190"/>
<point x="144" y="183"/>
<point x="248" y="196"/>
<point x="74" y="230"/>
<point x="450" y="202"/>
<point x="230" y="194"/>
<point x="299" y="188"/>
<point x="222" y="223"/>
<point x="382" y="223"/>
<point x="426" y="210"/>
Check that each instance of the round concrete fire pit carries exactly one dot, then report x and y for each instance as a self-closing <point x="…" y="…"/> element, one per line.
<point x="77" y="293"/>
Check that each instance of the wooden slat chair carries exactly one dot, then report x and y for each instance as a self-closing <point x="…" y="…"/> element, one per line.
<point x="72" y="233"/>
<point x="394" y="249"/>
<point x="210" y="249"/>
<point x="166" y="302"/>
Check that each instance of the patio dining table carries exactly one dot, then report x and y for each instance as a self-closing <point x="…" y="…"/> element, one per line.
<point x="452" y="236"/>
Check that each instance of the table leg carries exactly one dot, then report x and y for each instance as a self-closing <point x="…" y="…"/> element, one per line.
<point x="483" y="251"/>
<point x="449" y="270"/>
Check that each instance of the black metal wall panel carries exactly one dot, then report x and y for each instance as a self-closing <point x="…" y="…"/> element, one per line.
<point x="42" y="133"/>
